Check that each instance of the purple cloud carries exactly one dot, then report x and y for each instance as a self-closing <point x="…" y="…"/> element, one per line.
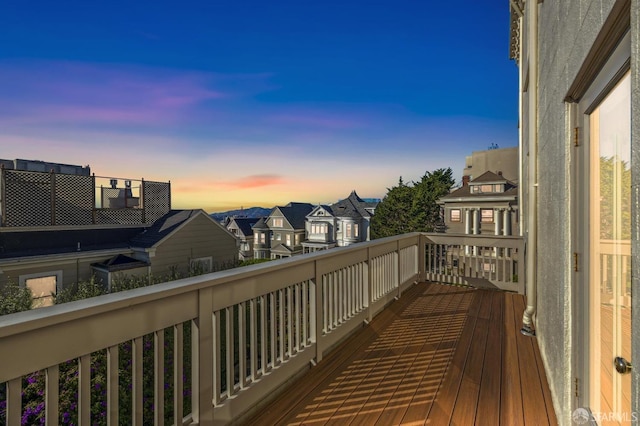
<point x="81" y="93"/>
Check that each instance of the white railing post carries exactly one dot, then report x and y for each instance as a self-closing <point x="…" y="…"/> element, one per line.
<point x="202" y="359"/>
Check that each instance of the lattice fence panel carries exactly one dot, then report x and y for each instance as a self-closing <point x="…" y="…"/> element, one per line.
<point x="157" y="200"/>
<point x="28" y="198"/>
<point x="74" y="200"/>
<point x="119" y="216"/>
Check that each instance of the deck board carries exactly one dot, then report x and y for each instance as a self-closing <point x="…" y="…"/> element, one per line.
<point x="439" y="355"/>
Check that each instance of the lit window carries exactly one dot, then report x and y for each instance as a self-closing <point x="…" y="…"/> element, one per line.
<point x="486" y="188"/>
<point x="262" y="237"/>
<point x="318" y="228"/>
<point x="487" y="215"/>
<point x="277" y="222"/>
<point x="455" y="215"/>
<point x="42" y="290"/>
<point x="289" y="239"/>
<point x="256" y="238"/>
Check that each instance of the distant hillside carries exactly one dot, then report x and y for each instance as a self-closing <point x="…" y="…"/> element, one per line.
<point x="250" y="212"/>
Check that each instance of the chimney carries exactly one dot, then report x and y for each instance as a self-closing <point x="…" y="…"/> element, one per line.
<point x="465" y="180"/>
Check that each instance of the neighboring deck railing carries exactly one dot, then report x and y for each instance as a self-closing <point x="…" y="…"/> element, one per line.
<point x="220" y="343"/>
<point x="478" y="260"/>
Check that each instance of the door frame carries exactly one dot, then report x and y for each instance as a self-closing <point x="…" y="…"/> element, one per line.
<point x="614" y="69"/>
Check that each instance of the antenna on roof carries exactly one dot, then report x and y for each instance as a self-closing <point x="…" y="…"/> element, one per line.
<point x="493" y="145"/>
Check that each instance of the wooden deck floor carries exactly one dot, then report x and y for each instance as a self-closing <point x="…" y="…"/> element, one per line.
<point x="440" y="355"/>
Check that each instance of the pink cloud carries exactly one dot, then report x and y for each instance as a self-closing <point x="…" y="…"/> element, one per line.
<point x="256" y="181"/>
<point x="247" y="182"/>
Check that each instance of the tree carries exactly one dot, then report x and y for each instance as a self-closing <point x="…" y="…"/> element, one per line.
<point x="425" y="209"/>
<point x="412" y="208"/>
<point x="393" y="213"/>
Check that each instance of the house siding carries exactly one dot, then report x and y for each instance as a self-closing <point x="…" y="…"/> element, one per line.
<point x="200" y="237"/>
<point x="73" y="270"/>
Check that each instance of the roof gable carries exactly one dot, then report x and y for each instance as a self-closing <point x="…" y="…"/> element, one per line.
<point x="168" y="225"/>
<point x="294" y="213"/>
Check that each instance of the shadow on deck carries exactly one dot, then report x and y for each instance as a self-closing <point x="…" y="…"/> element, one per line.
<point x="439" y="355"/>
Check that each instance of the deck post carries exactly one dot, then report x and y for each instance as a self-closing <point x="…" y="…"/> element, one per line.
<point x="422" y="241"/>
<point x="202" y="359"/>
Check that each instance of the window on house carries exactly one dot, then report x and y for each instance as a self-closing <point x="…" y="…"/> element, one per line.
<point x="297" y="239"/>
<point x="42" y="290"/>
<point x="277" y="222"/>
<point x="355" y="230"/>
<point x="43" y="286"/>
<point x="278" y="237"/>
<point x="201" y="265"/>
<point x="263" y="237"/>
<point x="318" y="228"/>
<point x="288" y="239"/>
<point x="455" y="215"/>
<point x="486" y="188"/>
<point x="256" y="238"/>
<point x="486" y="215"/>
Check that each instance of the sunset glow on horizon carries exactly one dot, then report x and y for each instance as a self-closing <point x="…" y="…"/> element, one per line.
<point x="255" y="104"/>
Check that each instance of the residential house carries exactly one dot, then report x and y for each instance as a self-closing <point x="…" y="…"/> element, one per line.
<point x="242" y="229"/>
<point x="281" y="234"/>
<point x="579" y="127"/>
<point x="340" y="224"/>
<point x="487" y="204"/>
<point x="59" y="229"/>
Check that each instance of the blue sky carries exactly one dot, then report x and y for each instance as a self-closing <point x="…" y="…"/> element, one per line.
<point x="244" y="103"/>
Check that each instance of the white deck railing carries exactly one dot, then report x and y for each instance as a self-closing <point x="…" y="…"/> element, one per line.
<point x="478" y="260"/>
<point x="228" y="339"/>
<point x="204" y="350"/>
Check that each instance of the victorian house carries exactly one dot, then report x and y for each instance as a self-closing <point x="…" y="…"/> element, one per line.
<point x="338" y="225"/>
<point x="242" y="228"/>
<point x="281" y="234"/>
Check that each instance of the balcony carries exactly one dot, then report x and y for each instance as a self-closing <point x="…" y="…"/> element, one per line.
<point x="215" y="349"/>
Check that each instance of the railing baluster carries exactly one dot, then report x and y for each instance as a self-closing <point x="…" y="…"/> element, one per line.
<point x="273" y="329"/>
<point x="281" y="330"/>
<point x="136" y="380"/>
<point x="305" y="313"/>
<point x="289" y="312"/>
<point x="325" y="304"/>
<point x="242" y="345"/>
<point x="263" y="335"/>
<point x="178" y="384"/>
<point x="14" y="401"/>
<point x="51" y="395"/>
<point x="296" y="319"/>
<point x="84" y="389"/>
<point x="113" y="386"/>
<point x="217" y="358"/>
<point x="253" y="345"/>
<point x="229" y="344"/>
<point x="158" y="377"/>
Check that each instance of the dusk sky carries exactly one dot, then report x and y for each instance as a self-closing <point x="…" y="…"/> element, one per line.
<point x="257" y="103"/>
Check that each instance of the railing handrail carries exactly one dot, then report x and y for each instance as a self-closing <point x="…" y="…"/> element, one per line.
<point x="311" y="302"/>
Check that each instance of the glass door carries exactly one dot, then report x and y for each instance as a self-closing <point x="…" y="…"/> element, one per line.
<point x="609" y="310"/>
